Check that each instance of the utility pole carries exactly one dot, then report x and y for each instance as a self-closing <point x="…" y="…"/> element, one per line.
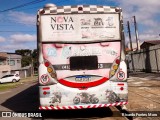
<point x="136" y="33"/>
<point x="129" y="32"/>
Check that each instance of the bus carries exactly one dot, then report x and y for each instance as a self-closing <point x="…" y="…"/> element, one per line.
<point x="81" y="57"/>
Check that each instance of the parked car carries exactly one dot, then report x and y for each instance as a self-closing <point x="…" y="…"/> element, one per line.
<point x="10" y="78"/>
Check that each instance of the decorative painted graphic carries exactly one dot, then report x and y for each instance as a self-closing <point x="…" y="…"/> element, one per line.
<point x="111" y="96"/>
<point x="64" y="96"/>
<point x="51" y="52"/>
<point x="85" y="22"/>
<point x="55" y="98"/>
<point x="110" y="21"/>
<point x="66" y="52"/>
<point x="98" y="22"/>
<point x="44" y="78"/>
<point x="85" y="97"/>
<point x="84" y="27"/>
<point x="86" y="33"/>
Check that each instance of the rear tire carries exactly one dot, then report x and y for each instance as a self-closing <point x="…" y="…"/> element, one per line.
<point x="14" y="80"/>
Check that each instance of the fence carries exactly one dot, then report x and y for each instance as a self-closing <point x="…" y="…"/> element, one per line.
<point x="145" y="60"/>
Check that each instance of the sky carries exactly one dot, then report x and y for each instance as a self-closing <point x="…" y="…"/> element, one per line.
<point x="18" y="26"/>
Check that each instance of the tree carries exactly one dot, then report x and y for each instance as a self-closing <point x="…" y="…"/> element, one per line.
<point x="35" y="59"/>
<point x="29" y="57"/>
<point x="26" y="56"/>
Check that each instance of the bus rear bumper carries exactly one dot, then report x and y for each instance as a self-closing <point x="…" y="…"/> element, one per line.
<point x="82" y="106"/>
<point x="57" y="97"/>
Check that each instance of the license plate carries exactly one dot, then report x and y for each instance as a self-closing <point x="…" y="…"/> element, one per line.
<point x="83" y="78"/>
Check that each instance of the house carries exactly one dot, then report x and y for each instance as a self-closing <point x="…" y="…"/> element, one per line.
<point x="10" y="63"/>
<point x="147" y="44"/>
<point x="4" y="67"/>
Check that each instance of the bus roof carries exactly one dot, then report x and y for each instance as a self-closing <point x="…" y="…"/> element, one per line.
<point x="53" y="9"/>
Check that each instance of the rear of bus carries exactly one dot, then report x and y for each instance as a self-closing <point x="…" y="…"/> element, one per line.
<point x="81" y="57"/>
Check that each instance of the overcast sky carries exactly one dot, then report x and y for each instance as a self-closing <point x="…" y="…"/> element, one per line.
<point x="18" y="26"/>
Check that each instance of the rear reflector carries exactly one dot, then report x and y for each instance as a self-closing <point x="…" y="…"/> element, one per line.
<point x="121" y="88"/>
<point x="120" y="84"/>
<point x="46" y="88"/>
<point x="44" y="93"/>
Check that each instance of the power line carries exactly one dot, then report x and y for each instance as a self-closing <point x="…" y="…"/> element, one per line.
<point x="23" y="5"/>
<point x="42" y="6"/>
<point x="15" y="31"/>
<point x="27" y="4"/>
<point x="18" y="25"/>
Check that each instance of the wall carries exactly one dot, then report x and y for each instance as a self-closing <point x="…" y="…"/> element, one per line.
<point x="15" y="58"/>
<point x="146" y="60"/>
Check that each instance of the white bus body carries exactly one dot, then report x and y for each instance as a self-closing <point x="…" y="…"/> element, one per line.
<point x="81" y="57"/>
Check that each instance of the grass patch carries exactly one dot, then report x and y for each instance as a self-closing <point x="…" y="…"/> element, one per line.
<point x="6" y="86"/>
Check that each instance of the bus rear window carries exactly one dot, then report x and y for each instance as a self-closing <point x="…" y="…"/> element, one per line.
<point x="83" y="63"/>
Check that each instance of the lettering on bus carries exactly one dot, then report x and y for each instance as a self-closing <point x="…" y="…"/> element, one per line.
<point x="62" y="23"/>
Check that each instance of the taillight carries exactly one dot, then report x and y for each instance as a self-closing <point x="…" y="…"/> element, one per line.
<point x="46" y="63"/>
<point x="50" y="69"/>
<point x="114" y="67"/>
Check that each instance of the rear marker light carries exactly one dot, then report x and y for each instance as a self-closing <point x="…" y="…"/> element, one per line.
<point x="80" y="8"/>
<point x="118" y="10"/>
<point x="42" y="12"/>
